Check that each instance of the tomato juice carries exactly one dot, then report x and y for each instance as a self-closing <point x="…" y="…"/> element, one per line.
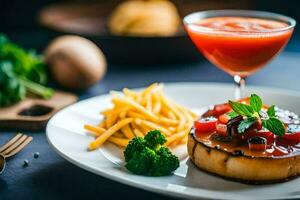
<point x="239" y="45"/>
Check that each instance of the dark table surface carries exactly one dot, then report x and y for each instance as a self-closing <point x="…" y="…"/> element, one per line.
<point x="51" y="177"/>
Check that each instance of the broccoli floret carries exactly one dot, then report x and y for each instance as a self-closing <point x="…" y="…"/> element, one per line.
<point x="147" y="156"/>
<point x="140" y="161"/>
<point x="154" y="139"/>
<point x="135" y="145"/>
<point x="165" y="163"/>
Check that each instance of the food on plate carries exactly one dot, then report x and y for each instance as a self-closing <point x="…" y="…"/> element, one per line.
<point x="145" y="18"/>
<point x="75" y="62"/>
<point x="247" y="141"/>
<point x="148" y="156"/>
<point x="22" y="73"/>
<point x="134" y="114"/>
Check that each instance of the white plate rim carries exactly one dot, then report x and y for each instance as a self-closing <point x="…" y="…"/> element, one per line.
<point x="204" y="193"/>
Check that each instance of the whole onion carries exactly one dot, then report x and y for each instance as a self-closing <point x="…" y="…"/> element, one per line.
<point x="75" y="62"/>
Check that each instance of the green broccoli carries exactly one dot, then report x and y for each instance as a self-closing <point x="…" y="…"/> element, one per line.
<point x="164" y="163"/>
<point x="141" y="160"/>
<point x="154" y="139"/>
<point x="135" y="145"/>
<point x="147" y="156"/>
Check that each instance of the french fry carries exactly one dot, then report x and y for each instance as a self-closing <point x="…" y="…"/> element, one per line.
<point x="167" y="121"/>
<point x="94" y="129"/>
<point x="172" y="129"/>
<point x="149" y="102"/>
<point x="167" y="113"/>
<point x="118" y="141"/>
<point x="111" y="119"/>
<point x="171" y="115"/>
<point x="102" y="124"/>
<point x="169" y="105"/>
<point x="137" y="106"/>
<point x="184" y="140"/>
<point x="157" y="104"/>
<point x="122" y="114"/>
<point x="178" y="136"/>
<point x="137" y="113"/>
<point x="143" y="128"/>
<point x="107" y="112"/>
<point x="129" y="93"/>
<point x="126" y="130"/>
<point x="191" y="115"/>
<point x="138" y="133"/>
<point x="118" y="134"/>
<point x="149" y="89"/>
<point x="153" y="126"/>
<point x="103" y="137"/>
<point x="115" y="110"/>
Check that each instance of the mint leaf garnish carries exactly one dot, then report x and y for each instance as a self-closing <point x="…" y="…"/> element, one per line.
<point x="245" y="124"/>
<point x="232" y="114"/>
<point x="271" y="111"/>
<point x="241" y="109"/>
<point x="274" y="125"/>
<point x="254" y="112"/>
<point x="255" y="102"/>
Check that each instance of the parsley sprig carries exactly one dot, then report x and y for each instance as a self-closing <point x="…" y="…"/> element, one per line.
<point x="253" y="113"/>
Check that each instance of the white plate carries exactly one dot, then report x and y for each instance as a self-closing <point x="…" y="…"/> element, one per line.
<point x="66" y="135"/>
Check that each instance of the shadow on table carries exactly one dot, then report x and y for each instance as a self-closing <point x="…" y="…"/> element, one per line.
<point x="65" y="181"/>
<point x="3" y="185"/>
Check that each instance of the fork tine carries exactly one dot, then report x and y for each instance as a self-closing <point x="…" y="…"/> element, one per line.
<point x="14" y="145"/>
<point x="19" y="148"/>
<point x="10" y="142"/>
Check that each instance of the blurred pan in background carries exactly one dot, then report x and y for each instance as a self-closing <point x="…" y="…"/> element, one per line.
<point x="91" y="21"/>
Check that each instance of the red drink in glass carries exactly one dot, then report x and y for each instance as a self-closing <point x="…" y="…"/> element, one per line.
<point x="240" y="42"/>
<point x="244" y="50"/>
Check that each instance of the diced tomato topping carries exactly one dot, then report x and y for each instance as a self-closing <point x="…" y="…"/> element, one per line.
<point x="257" y="143"/>
<point x="270" y="137"/>
<point x="221" y="109"/>
<point x="218" y="110"/>
<point x="221" y="129"/>
<point x="293" y="133"/>
<point x="257" y="147"/>
<point x="224" y="118"/>
<point x="295" y="137"/>
<point x="206" y="125"/>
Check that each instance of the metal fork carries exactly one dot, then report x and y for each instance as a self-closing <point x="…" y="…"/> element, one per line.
<point x="12" y="147"/>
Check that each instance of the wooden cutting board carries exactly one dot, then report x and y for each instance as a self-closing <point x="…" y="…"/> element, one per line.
<point x="33" y="113"/>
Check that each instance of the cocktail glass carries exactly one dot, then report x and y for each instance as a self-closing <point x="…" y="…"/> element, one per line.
<point x="239" y="52"/>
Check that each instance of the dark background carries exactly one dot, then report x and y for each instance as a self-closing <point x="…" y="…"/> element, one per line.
<point x="19" y="18"/>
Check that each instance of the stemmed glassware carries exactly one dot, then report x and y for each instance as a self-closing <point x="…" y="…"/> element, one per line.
<point x="240" y="42"/>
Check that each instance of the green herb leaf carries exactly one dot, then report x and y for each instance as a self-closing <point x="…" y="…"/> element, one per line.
<point x="3" y="39"/>
<point x="255" y="102"/>
<point x="21" y="73"/>
<point x="271" y="111"/>
<point x="241" y="109"/>
<point x="232" y="114"/>
<point x="246" y="124"/>
<point x="274" y="125"/>
<point x="11" y="90"/>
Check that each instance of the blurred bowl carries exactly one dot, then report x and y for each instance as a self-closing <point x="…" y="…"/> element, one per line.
<point x="89" y="20"/>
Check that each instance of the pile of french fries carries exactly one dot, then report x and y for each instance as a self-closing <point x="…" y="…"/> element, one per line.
<point x="134" y="114"/>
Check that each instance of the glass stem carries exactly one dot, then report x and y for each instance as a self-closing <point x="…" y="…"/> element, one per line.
<point x="240" y="87"/>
